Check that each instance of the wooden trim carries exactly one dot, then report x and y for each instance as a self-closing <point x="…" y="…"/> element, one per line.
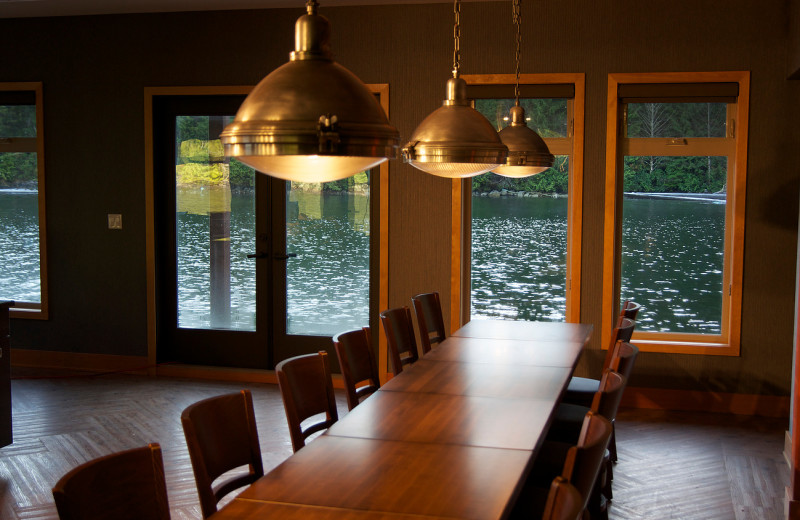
<point x="77" y="361"/>
<point x="703" y="401"/>
<point x="36" y="311"/>
<point x="610" y="243"/>
<point x="729" y="341"/>
<point x="383" y="254"/>
<point x="456" y="256"/>
<point x="575" y="200"/>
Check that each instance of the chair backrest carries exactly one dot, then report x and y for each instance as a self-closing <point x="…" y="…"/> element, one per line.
<point x="357" y="362"/>
<point x="584" y="460"/>
<point x="625" y="359"/>
<point x="607" y="398"/>
<point x="126" y="485"/>
<point x="564" y="502"/>
<point x="428" y="309"/>
<point x="307" y="390"/>
<point x="630" y="309"/>
<point x="622" y="332"/>
<point x="402" y="345"/>
<point x="221" y="435"/>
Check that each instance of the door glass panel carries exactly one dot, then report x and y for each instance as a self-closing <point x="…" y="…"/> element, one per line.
<point x="673" y="234"/>
<point x="215" y="229"/>
<point x="19" y="220"/>
<point x="327" y="283"/>
<point x="519" y="227"/>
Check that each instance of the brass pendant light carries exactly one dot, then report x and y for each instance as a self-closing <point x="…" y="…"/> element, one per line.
<point x="455" y="140"/>
<point x="311" y="120"/>
<point x="527" y="152"/>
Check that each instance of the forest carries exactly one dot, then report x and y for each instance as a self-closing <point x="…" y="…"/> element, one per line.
<point x="548" y="117"/>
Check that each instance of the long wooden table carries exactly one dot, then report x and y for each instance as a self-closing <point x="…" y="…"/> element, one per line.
<point x="453" y="435"/>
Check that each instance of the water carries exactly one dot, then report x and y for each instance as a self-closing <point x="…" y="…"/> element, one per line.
<point x="519" y="252"/>
<point x="672" y="261"/>
<point x="19" y="246"/>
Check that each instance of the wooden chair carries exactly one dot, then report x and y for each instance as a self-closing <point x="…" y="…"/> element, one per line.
<point x="221" y="435"/>
<point x="128" y="485"/>
<point x="357" y="362"/>
<point x="568" y="418"/>
<point x="564" y="502"/>
<point x="578" y="464"/>
<point x="581" y="390"/>
<point x="428" y="309"/>
<point x="307" y="390"/>
<point x="630" y="309"/>
<point x="402" y="345"/>
<point x="585" y="460"/>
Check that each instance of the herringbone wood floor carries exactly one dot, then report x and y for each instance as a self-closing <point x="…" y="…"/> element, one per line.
<point x="672" y="465"/>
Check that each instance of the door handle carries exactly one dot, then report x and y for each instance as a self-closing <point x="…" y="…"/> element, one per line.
<point x="284" y="256"/>
<point x="258" y="255"/>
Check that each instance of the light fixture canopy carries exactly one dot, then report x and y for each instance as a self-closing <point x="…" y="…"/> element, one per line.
<point x="311" y="120"/>
<point x="455" y="140"/>
<point x="527" y="152"/>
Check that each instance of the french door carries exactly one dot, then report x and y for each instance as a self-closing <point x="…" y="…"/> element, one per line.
<point x="250" y="270"/>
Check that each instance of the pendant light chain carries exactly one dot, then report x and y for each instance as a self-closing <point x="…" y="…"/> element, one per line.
<point x="457" y="38"/>
<point x="517" y="20"/>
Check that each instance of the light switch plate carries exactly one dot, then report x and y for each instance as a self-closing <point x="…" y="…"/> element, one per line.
<point x="114" y="221"/>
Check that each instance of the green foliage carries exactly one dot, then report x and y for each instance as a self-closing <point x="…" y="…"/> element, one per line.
<point x="674" y="174"/>
<point x="17" y="120"/>
<point x="192" y="127"/>
<point x="17" y="169"/>
<point x="196" y="174"/>
<point x="200" y="151"/>
<point x="241" y="175"/>
<point x="554" y="181"/>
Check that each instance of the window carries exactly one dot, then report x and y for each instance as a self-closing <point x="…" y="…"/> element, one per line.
<point x="23" y="273"/>
<point x="675" y="181"/>
<point x="522" y="236"/>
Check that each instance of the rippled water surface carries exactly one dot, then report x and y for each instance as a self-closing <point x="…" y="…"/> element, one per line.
<point x="672" y="261"/>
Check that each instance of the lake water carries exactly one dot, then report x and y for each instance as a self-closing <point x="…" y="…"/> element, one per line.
<point x="672" y="262"/>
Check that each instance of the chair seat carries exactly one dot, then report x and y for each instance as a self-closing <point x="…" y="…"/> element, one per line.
<point x="567" y="423"/>
<point x="548" y="465"/>
<point x="581" y="391"/>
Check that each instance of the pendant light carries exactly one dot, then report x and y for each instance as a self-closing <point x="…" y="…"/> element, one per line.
<point x="455" y="140"/>
<point x="527" y="152"/>
<point x="311" y="120"/>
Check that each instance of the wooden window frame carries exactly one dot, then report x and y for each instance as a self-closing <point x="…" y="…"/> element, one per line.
<point x="727" y="343"/>
<point x="32" y="310"/>
<point x="461" y="212"/>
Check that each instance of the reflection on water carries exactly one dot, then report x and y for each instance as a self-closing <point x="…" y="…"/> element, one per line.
<point x="519" y="251"/>
<point x="19" y="244"/>
<point x="672" y="256"/>
<point x="672" y="261"/>
<point x="328" y="281"/>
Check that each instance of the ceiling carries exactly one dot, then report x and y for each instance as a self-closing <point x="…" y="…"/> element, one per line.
<point x="34" y="8"/>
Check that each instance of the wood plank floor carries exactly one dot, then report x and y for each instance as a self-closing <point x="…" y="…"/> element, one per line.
<point x="672" y="465"/>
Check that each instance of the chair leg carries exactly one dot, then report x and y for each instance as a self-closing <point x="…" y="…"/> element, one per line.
<point x="606" y="490"/>
<point x="612" y="444"/>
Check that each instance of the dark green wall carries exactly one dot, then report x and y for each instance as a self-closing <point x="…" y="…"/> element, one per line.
<point x="94" y="70"/>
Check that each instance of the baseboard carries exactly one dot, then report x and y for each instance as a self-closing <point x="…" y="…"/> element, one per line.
<point x="138" y="365"/>
<point x="78" y="361"/>
<point x="703" y="401"/>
